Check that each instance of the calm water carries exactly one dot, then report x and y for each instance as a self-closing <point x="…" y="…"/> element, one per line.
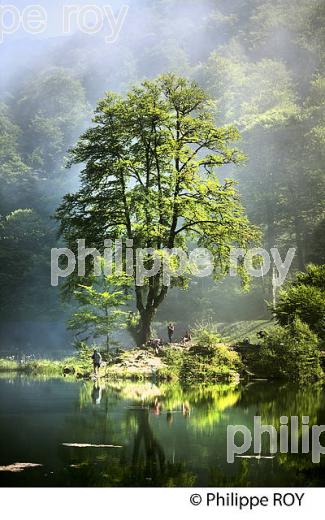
<point x="168" y="436"/>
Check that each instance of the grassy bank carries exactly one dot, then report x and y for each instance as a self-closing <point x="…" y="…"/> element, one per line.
<point x="47" y="367"/>
<point x="291" y="353"/>
<point x="37" y="367"/>
<point x="207" y="359"/>
<point x="174" y="363"/>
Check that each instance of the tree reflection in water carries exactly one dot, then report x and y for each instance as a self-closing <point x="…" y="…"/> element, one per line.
<point x="174" y="436"/>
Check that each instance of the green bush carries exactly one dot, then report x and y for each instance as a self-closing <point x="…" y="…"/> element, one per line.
<point x="210" y="364"/>
<point x="206" y="335"/>
<point x="207" y="360"/>
<point x="290" y="352"/>
<point x="304" y="299"/>
<point x="173" y="358"/>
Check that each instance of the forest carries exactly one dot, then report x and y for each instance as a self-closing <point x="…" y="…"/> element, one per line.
<point x="162" y="233"/>
<point x="260" y="64"/>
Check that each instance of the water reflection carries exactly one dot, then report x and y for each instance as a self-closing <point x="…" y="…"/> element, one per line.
<point x="168" y="435"/>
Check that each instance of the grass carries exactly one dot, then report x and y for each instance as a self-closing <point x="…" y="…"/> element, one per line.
<point x="236" y="332"/>
<point x="34" y="367"/>
<point x="173" y="365"/>
<point x="47" y="367"/>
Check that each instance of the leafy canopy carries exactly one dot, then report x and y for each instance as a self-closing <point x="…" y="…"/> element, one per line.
<point x="150" y="172"/>
<point x="150" y="176"/>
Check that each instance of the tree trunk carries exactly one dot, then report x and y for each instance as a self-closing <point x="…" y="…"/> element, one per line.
<point x="141" y="333"/>
<point x="154" y="298"/>
<point x="145" y="331"/>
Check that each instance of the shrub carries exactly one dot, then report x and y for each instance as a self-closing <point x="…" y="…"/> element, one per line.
<point x="207" y="360"/>
<point x="173" y="358"/>
<point x="206" y="335"/>
<point x="304" y="299"/>
<point x="213" y="363"/>
<point x="290" y="352"/>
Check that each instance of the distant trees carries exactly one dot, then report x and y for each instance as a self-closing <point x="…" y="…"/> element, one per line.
<point x="262" y="62"/>
<point x="280" y="138"/>
<point x="36" y="128"/>
<point x="14" y="172"/>
<point x="50" y="110"/>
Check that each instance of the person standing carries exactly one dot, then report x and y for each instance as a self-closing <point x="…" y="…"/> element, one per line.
<point x="171" y="330"/>
<point x="97" y="361"/>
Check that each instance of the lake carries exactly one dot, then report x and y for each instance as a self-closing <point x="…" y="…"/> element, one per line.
<point x="145" y="434"/>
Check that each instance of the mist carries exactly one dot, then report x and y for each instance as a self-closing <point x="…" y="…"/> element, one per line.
<point x="262" y="64"/>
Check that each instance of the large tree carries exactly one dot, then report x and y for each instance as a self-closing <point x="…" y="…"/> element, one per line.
<point x="149" y="176"/>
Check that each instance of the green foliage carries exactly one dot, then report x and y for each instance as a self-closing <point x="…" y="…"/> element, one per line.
<point x="40" y="120"/>
<point x="305" y="299"/>
<point x="173" y="358"/>
<point x="233" y="83"/>
<point x="206" y="335"/>
<point x="241" y="330"/>
<point x="12" y="167"/>
<point x="201" y="363"/>
<point x="314" y="276"/>
<point x="75" y="366"/>
<point x="220" y="365"/>
<point x="209" y="359"/>
<point x="22" y="239"/>
<point x="210" y="364"/>
<point x="50" y="107"/>
<point x="84" y="353"/>
<point x="100" y="311"/>
<point x="42" y="367"/>
<point x="8" y="365"/>
<point x="290" y="352"/>
<point x="150" y="176"/>
<point x="262" y="62"/>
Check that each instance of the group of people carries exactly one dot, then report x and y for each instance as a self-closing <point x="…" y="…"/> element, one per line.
<point x="155" y="343"/>
<point x="171" y="329"/>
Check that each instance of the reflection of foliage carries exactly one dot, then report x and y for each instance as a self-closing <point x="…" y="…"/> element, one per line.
<point x="173" y="395"/>
<point x="142" y="463"/>
<point x="143" y="392"/>
<point x="206" y="418"/>
<point x="289" y="400"/>
<point x="219" y="479"/>
<point x="307" y="472"/>
<point x="152" y="459"/>
<point x="207" y="402"/>
<point x="134" y="415"/>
